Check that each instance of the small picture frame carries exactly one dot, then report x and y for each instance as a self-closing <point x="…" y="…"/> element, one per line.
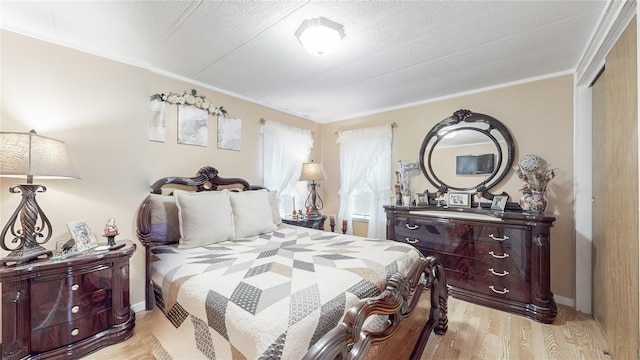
<point x="459" y="199"/>
<point x="499" y="202"/>
<point x="82" y="234"/>
<point x="422" y="199"/>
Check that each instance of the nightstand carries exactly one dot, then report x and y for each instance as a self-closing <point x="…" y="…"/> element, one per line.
<point x="66" y="309"/>
<point x="316" y="222"/>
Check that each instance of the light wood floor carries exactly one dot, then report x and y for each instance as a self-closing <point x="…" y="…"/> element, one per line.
<point x="475" y="332"/>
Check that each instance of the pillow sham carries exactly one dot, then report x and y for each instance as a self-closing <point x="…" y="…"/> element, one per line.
<point x="251" y="213"/>
<point x="205" y="218"/>
<point x="164" y="222"/>
<point x="273" y="202"/>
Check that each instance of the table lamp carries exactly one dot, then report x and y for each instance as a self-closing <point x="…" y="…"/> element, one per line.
<point x="312" y="172"/>
<point x="30" y="155"/>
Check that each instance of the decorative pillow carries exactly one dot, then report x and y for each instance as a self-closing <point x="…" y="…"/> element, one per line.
<point x="251" y="213"/>
<point x="205" y="218"/>
<point x="273" y="202"/>
<point x="164" y="219"/>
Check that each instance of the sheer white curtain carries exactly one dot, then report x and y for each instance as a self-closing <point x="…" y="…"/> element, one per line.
<point x="285" y="149"/>
<point x="365" y="166"/>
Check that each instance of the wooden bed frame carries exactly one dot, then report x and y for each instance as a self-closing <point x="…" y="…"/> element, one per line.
<point x="412" y="318"/>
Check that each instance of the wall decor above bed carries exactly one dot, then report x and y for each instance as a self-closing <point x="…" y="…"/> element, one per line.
<point x="192" y="116"/>
<point x="289" y="293"/>
<point x="467" y="151"/>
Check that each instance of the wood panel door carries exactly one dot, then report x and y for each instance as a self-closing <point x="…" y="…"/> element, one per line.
<point x="615" y="188"/>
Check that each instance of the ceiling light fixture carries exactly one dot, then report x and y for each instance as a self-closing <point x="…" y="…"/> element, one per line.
<point x="320" y="36"/>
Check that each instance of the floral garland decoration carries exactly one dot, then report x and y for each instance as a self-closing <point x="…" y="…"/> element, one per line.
<point x="190" y="98"/>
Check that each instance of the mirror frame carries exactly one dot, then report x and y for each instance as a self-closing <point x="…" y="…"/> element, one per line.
<point x="462" y="116"/>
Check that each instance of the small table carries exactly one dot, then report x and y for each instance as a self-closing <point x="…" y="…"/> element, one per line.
<point x="315" y="222"/>
<point x="68" y="308"/>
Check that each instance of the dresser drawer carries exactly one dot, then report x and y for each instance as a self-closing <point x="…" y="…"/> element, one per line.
<point x="511" y="286"/>
<point x="63" y="334"/>
<point x="47" y="314"/>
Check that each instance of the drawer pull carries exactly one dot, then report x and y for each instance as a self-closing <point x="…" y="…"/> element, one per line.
<point x="411" y="227"/>
<point x="499" y="239"/>
<point x="75" y="287"/>
<point x="504" y="273"/>
<point x="501" y="292"/>
<point x="505" y="255"/>
<point x="75" y="309"/>
<point x="75" y="331"/>
<point x="412" y="241"/>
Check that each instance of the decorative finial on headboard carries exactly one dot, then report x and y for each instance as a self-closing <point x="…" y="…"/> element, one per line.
<point x="462" y="114"/>
<point x="209" y="171"/>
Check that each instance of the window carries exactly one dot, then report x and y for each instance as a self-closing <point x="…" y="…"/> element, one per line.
<point x="285" y="149"/>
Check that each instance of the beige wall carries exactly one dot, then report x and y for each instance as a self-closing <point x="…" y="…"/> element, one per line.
<point x="99" y="108"/>
<point x="540" y="117"/>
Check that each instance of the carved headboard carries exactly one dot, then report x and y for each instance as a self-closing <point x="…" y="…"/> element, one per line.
<point x="155" y="221"/>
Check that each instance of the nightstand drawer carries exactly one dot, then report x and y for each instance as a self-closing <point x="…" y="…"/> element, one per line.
<point x="64" y="286"/>
<point x="47" y="314"/>
<point x="67" y="333"/>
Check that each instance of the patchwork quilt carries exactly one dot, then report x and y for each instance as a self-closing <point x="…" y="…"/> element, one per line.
<point x="271" y="296"/>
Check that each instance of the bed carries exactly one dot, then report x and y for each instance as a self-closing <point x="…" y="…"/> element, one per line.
<point x="230" y="281"/>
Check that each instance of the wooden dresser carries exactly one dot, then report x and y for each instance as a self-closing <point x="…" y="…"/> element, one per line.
<point x="495" y="259"/>
<point x="66" y="309"/>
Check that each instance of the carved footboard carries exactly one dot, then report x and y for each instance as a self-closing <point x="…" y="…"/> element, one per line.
<point x="350" y="339"/>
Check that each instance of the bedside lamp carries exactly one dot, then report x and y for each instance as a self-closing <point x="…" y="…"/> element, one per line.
<point x="30" y="155"/>
<point x="312" y="172"/>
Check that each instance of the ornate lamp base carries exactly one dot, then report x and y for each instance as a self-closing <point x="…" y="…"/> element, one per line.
<point x="23" y="255"/>
<point x="22" y="242"/>
<point x="314" y="202"/>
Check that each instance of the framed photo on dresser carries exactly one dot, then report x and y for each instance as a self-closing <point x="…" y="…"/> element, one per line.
<point x="499" y="202"/>
<point x="459" y="199"/>
<point x="82" y="234"/>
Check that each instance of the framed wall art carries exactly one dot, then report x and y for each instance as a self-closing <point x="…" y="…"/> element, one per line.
<point x="459" y="199"/>
<point x="82" y="234"/>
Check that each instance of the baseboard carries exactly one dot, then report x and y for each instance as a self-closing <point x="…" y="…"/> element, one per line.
<point x="138" y="307"/>
<point x="565" y="301"/>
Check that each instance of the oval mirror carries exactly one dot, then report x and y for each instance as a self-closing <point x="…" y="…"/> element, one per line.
<point x="467" y="151"/>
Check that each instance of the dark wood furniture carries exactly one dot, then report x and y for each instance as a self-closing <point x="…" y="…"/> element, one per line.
<point x="412" y="317"/>
<point x="66" y="309"/>
<point x="497" y="259"/>
<point x="316" y="222"/>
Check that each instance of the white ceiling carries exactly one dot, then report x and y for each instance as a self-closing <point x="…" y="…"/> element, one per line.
<point x="395" y="53"/>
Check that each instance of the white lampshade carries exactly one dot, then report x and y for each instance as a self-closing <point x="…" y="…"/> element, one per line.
<point x="320" y="36"/>
<point x="312" y="171"/>
<point x="34" y="156"/>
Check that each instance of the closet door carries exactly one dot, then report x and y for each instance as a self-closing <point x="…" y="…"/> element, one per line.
<point x="600" y="204"/>
<point x="615" y="188"/>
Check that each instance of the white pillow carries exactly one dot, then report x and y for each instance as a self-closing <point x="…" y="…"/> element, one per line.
<point x="251" y="213"/>
<point x="205" y="218"/>
<point x="164" y="223"/>
<point x="273" y="202"/>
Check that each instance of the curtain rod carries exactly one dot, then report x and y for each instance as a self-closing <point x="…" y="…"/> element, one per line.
<point x="263" y="120"/>
<point x="393" y="126"/>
